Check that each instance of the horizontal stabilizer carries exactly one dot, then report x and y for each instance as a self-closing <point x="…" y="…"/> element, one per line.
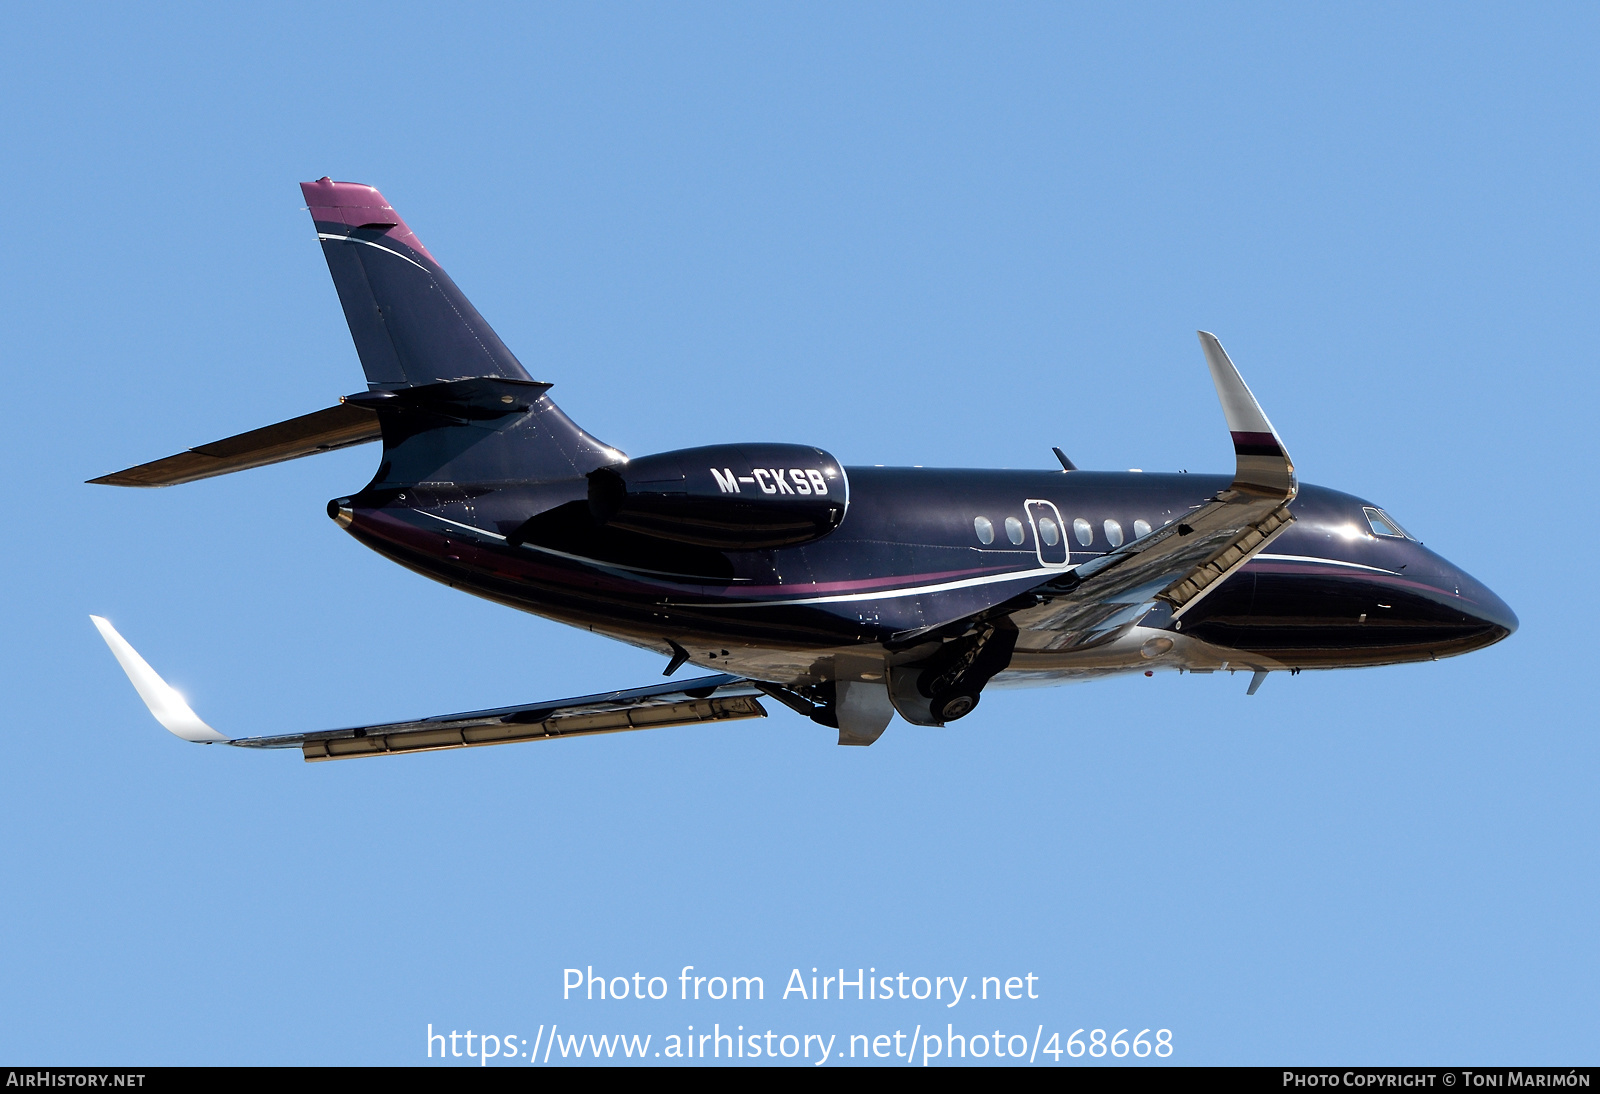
<point x="321" y="431"/>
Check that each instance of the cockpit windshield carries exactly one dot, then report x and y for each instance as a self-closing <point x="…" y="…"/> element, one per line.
<point x="1382" y="524"/>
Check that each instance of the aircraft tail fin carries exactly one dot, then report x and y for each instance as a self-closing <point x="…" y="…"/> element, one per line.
<point x="410" y="323"/>
<point x="446" y="396"/>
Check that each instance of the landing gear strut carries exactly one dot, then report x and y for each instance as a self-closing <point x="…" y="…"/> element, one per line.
<point x="947" y="685"/>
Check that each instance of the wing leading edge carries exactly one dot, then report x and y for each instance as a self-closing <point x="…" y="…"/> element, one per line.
<point x="687" y="702"/>
<point x="1176" y="566"/>
<point x="320" y="431"/>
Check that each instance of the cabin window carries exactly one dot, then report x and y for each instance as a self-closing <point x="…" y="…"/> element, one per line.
<point x="1049" y="532"/>
<point x="1014" y="529"/>
<point x="1084" y="531"/>
<point x="985" y="529"/>
<point x="1141" y="528"/>
<point x="1382" y="524"/>
<point x="1114" y="533"/>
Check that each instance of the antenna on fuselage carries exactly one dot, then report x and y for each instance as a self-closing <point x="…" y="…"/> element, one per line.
<point x="1066" y="464"/>
<point x="679" y="656"/>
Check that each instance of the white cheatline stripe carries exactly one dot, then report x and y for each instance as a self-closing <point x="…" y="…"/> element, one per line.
<point x="888" y="594"/>
<point x="1325" y="562"/>
<point x="369" y="243"/>
<point x="607" y="566"/>
<point x="458" y="524"/>
<point x="839" y="598"/>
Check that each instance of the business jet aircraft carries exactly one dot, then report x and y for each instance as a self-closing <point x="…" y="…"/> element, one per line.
<point x="848" y="594"/>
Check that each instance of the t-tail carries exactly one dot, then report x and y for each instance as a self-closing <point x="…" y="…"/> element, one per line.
<point x="448" y="399"/>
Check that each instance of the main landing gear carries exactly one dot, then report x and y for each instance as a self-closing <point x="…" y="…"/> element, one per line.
<point x="947" y="685"/>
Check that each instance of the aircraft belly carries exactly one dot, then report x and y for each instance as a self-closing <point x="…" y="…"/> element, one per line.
<point x="788" y="666"/>
<point x="1138" y="649"/>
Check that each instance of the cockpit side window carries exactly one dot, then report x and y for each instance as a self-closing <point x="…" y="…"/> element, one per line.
<point x="1382" y="524"/>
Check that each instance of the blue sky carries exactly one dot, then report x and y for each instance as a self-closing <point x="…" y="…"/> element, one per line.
<point x="920" y="234"/>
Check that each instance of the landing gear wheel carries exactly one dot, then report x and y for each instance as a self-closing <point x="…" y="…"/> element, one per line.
<point x="947" y="708"/>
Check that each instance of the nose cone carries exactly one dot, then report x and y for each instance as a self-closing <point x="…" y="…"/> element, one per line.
<point x="1484" y="605"/>
<point x="1487" y="618"/>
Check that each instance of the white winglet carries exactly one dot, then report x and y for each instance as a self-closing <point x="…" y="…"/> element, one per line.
<point x="1239" y="405"/>
<point x="1264" y="464"/>
<point x="161" y="697"/>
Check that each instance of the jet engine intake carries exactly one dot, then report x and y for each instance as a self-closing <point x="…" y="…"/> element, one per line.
<point x="731" y="497"/>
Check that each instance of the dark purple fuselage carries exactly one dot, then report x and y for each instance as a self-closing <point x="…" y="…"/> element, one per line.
<point x="908" y="555"/>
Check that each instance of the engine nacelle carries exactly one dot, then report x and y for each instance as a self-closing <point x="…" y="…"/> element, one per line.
<point x="729" y="496"/>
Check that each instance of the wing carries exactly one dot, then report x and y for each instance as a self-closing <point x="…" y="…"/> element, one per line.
<point x="707" y="699"/>
<point x="1175" y="567"/>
